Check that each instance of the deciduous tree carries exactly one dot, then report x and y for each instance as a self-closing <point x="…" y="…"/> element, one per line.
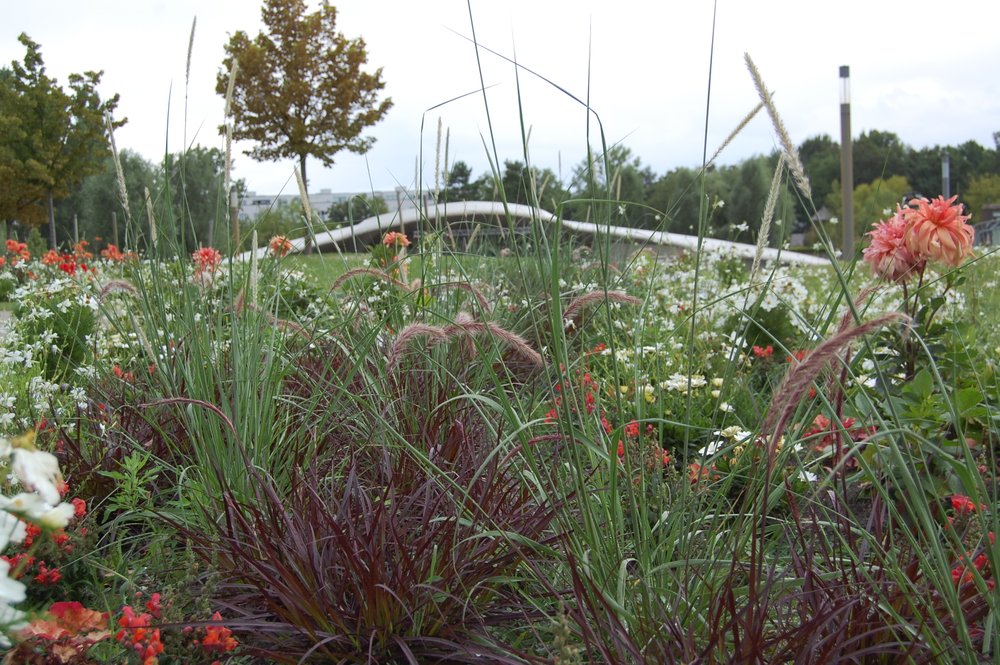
<point x="300" y="90"/>
<point x="58" y="136"/>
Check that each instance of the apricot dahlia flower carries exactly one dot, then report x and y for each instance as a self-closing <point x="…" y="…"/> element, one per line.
<point x="938" y="231"/>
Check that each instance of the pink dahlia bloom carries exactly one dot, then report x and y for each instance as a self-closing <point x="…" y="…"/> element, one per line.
<point x="206" y="260"/>
<point x="938" y="231"/>
<point x="889" y="254"/>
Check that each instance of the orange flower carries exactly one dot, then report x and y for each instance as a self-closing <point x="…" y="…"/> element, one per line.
<point x="51" y="258"/>
<point x="395" y="239"/>
<point x="280" y="246"/>
<point x="112" y="253"/>
<point x="889" y="253"/>
<point x="218" y="638"/>
<point x="938" y="232"/>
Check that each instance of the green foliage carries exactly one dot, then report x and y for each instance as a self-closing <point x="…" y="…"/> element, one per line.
<point x="97" y="198"/>
<point x="136" y="473"/>
<point x="198" y="214"/>
<point x="36" y="244"/>
<point x="617" y="177"/>
<point x="62" y="320"/>
<point x="821" y="158"/>
<point x="983" y="190"/>
<point x="356" y="209"/>
<point x="459" y="185"/>
<point x="57" y="137"/>
<point x="300" y="90"/>
<point x="871" y="201"/>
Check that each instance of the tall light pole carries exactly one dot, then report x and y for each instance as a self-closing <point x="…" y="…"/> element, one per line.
<point x="946" y="174"/>
<point x="846" y="163"/>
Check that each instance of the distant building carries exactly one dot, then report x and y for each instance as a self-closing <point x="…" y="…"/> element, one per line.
<point x="988" y="230"/>
<point x="395" y="199"/>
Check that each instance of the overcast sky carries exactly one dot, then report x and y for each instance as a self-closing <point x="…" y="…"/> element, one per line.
<point x="925" y="70"/>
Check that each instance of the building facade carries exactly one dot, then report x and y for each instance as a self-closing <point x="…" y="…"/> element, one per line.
<point x="254" y="204"/>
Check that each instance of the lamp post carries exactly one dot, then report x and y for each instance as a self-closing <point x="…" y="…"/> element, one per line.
<point x="846" y="163"/>
<point x="946" y="174"/>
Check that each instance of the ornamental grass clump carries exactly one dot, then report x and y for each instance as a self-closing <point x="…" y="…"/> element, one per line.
<point x="397" y="554"/>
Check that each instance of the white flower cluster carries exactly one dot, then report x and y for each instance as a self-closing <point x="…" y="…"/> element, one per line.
<point x="40" y="503"/>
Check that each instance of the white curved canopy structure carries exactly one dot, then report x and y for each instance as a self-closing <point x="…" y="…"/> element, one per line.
<point x="369" y="230"/>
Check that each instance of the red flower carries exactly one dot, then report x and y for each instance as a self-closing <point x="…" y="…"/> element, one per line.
<point x="47" y="575"/>
<point x="153" y="605"/>
<point x="632" y="429"/>
<point x="205" y="260"/>
<point x="765" y="352"/>
<point x="963" y="504"/>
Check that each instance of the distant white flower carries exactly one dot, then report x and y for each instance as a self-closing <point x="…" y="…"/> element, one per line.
<point x="807" y="476"/>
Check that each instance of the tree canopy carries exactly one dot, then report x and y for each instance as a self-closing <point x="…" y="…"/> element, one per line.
<point x="299" y="89"/>
<point x="52" y="138"/>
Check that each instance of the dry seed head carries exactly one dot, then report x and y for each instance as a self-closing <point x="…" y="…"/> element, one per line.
<point x="372" y="272"/>
<point x="227" y="173"/>
<point x="152" y="218"/>
<point x="304" y="195"/>
<point x="230" y="89"/>
<point x="465" y="326"/>
<point x="577" y="305"/>
<point x="739" y="128"/>
<point x="435" y="334"/>
<point x="465" y="286"/>
<point x="797" y="380"/>
<point x="187" y="69"/>
<point x="119" y="174"/>
<point x="765" y="222"/>
<point x="791" y="153"/>
<point x="117" y="286"/>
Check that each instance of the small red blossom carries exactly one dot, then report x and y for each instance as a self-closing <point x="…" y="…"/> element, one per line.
<point x="206" y="260"/>
<point x="963" y="504"/>
<point x="153" y="605"/>
<point x="763" y="352"/>
<point x="47" y="575"/>
<point x="32" y="531"/>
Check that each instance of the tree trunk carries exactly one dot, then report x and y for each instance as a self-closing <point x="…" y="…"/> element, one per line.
<point x="52" y="222"/>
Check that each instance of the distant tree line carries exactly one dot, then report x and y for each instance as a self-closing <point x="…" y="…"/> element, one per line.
<point x="619" y="187"/>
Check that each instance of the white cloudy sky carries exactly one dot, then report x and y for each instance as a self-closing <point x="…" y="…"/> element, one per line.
<point x="924" y="69"/>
